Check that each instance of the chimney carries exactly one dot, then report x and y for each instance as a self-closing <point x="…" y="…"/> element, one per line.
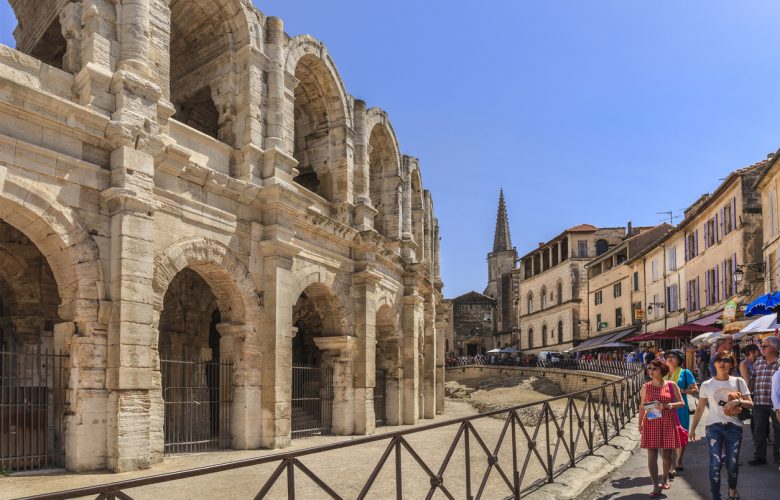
<point x="629" y="230"/>
<point x="541" y="244"/>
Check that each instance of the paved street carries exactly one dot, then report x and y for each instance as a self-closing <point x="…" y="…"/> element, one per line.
<point x="631" y="481"/>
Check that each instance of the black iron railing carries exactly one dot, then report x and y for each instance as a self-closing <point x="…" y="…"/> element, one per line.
<point x="536" y="442"/>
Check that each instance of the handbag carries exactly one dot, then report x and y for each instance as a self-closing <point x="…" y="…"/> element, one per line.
<point x="692" y="408"/>
<point x="682" y="432"/>
<point x="743" y="414"/>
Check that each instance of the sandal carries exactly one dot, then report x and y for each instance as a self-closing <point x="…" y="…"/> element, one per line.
<point x="680" y="468"/>
<point x="672" y="474"/>
<point x="666" y="486"/>
<point x="655" y="494"/>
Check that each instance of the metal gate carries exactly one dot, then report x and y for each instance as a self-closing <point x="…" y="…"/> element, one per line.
<point x="312" y="400"/>
<point x="198" y="396"/>
<point x="380" y="398"/>
<point x="32" y="408"/>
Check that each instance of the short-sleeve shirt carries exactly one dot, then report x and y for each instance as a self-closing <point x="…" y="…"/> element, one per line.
<point x="718" y="390"/>
<point x="762" y="389"/>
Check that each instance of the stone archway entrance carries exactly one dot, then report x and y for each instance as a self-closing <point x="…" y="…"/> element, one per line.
<point x="196" y="383"/>
<point x="33" y="368"/>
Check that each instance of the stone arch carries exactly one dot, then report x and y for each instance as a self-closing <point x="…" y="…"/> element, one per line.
<point x="389" y="366"/>
<point x="225" y="274"/>
<point x="529" y="303"/>
<point x="321" y="119"/>
<point x="384" y="173"/>
<point x="60" y="235"/>
<point x="202" y="77"/>
<point x="559" y="292"/>
<point x="330" y="297"/>
<point x="45" y="30"/>
<point x="543" y="298"/>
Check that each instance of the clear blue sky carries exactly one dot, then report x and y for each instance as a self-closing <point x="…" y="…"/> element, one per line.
<point x="583" y="111"/>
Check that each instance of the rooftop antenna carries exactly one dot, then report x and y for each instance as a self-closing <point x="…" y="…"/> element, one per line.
<point x="670" y="216"/>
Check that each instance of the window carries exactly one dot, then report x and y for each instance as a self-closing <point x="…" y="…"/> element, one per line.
<point x="560" y="292"/>
<point x="656" y="308"/>
<point x="582" y="248"/>
<point x="597" y="298"/>
<point x="636" y="306"/>
<point x="727" y="270"/>
<point x="636" y="281"/>
<point x="711" y="289"/>
<point x="672" y="259"/>
<point x="560" y="332"/>
<point x="619" y="317"/>
<point x="672" y="298"/>
<point x="729" y="217"/>
<point x="692" y="245"/>
<point x="599" y="323"/>
<point x="710" y="234"/>
<point x="530" y="303"/>
<point x="654" y="270"/>
<point x="543" y="299"/>
<point x="601" y="247"/>
<point x="617" y="289"/>
<point x="772" y="230"/>
<point x="530" y="338"/>
<point x="692" y="294"/>
<point x="487" y="317"/>
<point x="544" y="334"/>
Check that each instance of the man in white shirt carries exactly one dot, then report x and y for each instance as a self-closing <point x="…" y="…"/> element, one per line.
<point x="776" y="393"/>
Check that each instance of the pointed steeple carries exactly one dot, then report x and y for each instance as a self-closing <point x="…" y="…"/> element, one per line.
<point x="502" y="240"/>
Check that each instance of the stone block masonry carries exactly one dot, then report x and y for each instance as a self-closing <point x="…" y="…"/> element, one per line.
<point x="183" y="185"/>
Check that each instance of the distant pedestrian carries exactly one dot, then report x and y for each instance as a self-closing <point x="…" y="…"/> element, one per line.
<point x="747" y="371"/>
<point x="725" y="396"/>
<point x="687" y="384"/>
<point x="703" y="355"/>
<point x="658" y="423"/>
<point x="764" y="368"/>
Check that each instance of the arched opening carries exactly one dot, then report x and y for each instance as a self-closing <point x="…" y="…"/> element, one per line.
<point x="560" y="332"/>
<point x="389" y="368"/>
<point x="559" y="292"/>
<point x="196" y="383"/>
<point x="543" y="298"/>
<point x="315" y="317"/>
<point x="39" y="31"/>
<point x="544" y="335"/>
<point x="318" y="127"/>
<point x="530" y="303"/>
<point x="33" y="375"/>
<point x="530" y="338"/>
<point x="200" y="48"/>
<point x="383" y="186"/>
<point x="601" y="247"/>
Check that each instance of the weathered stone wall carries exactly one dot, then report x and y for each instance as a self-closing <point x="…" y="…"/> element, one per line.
<point x="568" y="381"/>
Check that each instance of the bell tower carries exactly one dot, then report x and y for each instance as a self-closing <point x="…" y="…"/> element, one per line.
<point x="501" y="261"/>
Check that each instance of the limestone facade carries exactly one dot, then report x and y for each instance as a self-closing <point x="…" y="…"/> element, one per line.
<point x="767" y="185"/>
<point x="552" y="309"/>
<point x="184" y="179"/>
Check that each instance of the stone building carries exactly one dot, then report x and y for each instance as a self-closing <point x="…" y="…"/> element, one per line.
<point x="473" y="319"/>
<point x="552" y="307"/>
<point x="187" y="183"/>
<point x="610" y="283"/>
<point x="768" y="185"/>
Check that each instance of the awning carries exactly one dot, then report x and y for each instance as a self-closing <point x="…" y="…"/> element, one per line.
<point x="602" y="340"/>
<point x="701" y="325"/>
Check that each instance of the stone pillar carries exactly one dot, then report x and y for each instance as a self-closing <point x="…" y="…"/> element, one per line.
<point x="441" y="329"/>
<point x="274" y="48"/>
<point x="412" y="305"/>
<point x="338" y="353"/>
<point x="364" y="294"/>
<point x="406" y="199"/>
<point x="364" y="210"/>
<point x="429" y="370"/>
<point x="391" y="348"/>
<point x="133" y="34"/>
<point x="239" y="344"/>
<point x="89" y="52"/>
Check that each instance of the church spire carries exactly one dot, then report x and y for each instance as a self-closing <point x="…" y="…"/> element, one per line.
<point x="502" y="241"/>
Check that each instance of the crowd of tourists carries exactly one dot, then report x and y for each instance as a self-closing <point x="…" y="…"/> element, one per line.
<point x="734" y="384"/>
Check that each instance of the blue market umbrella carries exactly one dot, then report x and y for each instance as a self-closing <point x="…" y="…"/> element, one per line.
<point x="765" y="304"/>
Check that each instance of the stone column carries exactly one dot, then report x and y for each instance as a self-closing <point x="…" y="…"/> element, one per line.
<point x="89" y="52"/>
<point x="429" y="370"/>
<point x="239" y="345"/>
<point x="274" y="69"/>
<point x="412" y="313"/>
<point x="338" y="353"/>
<point x="364" y="210"/>
<point x="441" y="329"/>
<point x="364" y="294"/>
<point x="133" y="34"/>
<point x="406" y="199"/>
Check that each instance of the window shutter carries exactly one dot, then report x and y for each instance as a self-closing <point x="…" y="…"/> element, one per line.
<point x="716" y="284"/>
<point x="676" y="301"/>
<point x="688" y="303"/>
<point x="716" y="227"/>
<point x="724" y="280"/>
<point x="722" y="222"/>
<point x="687" y="250"/>
<point x="734" y="213"/>
<point x="706" y="235"/>
<point x="696" y="243"/>
<point x="696" y="292"/>
<point x="707" y="288"/>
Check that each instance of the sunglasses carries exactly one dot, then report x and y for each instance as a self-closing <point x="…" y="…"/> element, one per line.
<point x="723" y="360"/>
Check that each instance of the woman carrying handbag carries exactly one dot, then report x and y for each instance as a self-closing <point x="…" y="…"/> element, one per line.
<point x="658" y="423"/>
<point x="687" y="383"/>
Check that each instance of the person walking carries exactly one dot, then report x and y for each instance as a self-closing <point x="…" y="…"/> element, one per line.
<point x="764" y="368"/>
<point x="657" y="423"/>
<point x="724" y="343"/>
<point x="725" y="396"/>
<point x="747" y="371"/>
<point x="687" y="383"/>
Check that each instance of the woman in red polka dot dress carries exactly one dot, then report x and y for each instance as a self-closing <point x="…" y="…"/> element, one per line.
<point x="657" y="423"/>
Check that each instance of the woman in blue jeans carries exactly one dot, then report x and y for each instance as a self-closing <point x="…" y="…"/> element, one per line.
<point x="724" y="395"/>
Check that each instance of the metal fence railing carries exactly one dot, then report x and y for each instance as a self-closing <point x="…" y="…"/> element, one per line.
<point x="198" y="396"/>
<point x="32" y="408"/>
<point x="536" y="442"/>
<point x="312" y="400"/>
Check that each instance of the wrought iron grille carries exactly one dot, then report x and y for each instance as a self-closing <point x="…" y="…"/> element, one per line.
<point x="32" y="409"/>
<point x="197" y="396"/>
<point x="380" y="398"/>
<point x="312" y="400"/>
<point x="560" y="432"/>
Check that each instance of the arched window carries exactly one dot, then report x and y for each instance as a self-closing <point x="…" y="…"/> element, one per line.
<point x="530" y="303"/>
<point x="560" y="332"/>
<point x="544" y="335"/>
<point x="559" y="292"/>
<point x="543" y="299"/>
<point x="530" y="338"/>
<point x="601" y="246"/>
